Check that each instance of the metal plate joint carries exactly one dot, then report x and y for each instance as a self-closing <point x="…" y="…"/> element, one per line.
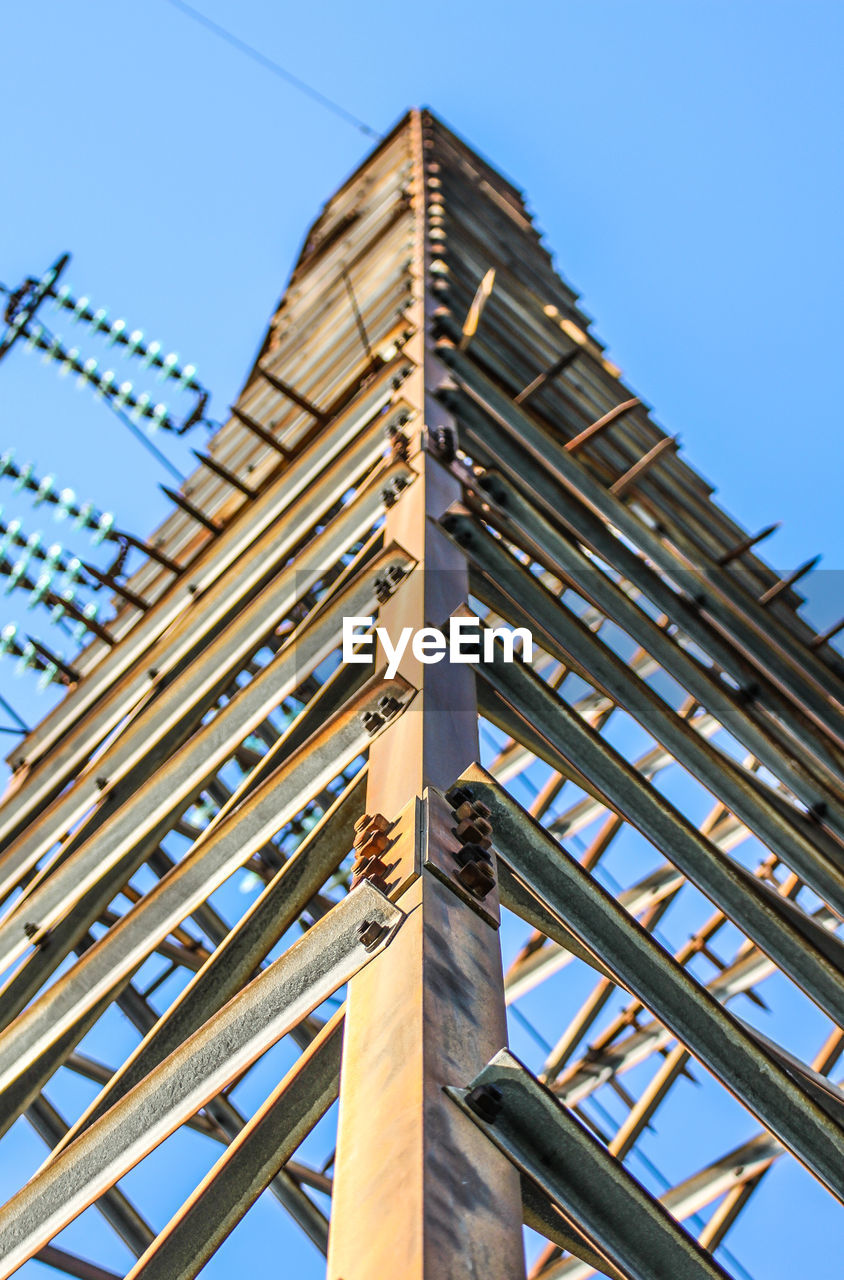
<point x="457" y="849"/>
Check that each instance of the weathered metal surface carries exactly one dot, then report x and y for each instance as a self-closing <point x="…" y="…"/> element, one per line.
<point x="103" y="968"/>
<point x="115" y="1208"/>
<point x="488" y="418"/>
<point x="512" y="512"/>
<point x="673" y="667"/>
<point x="164" y="721"/>
<point x="811" y="955"/>
<point x="553" y="1148"/>
<point x="435" y="1012"/>
<point x="176" y="626"/>
<point x="245" y="1170"/>
<point x="681" y="1003"/>
<point x="243" y="950"/>
<point x="782" y="828"/>
<point x="214" y="1056"/>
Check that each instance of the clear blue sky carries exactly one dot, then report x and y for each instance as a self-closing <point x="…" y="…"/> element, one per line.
<point x="682" y="159"/>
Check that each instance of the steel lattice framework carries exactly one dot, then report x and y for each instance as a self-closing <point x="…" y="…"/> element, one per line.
<point x="430" y="431"/>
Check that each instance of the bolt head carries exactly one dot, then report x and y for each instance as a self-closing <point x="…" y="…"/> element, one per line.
<point x="372" y="845"/>
<point x="471" y="852"/>
<point x="370" y="934"/>
<point x="486" y="1101"/>
<point x="477" y="877"/>
<point x="368" y="825"/>
<point x="474" y="831"/>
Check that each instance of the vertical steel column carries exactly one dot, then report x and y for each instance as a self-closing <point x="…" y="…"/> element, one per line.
<point x="418" y="1191"/>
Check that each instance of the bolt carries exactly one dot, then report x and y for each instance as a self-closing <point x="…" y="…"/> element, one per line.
<point x="388" y="706"/>
<point x="370" y="866"/>
<point x="472" y="853"/>
<point x="478" y="823"/>
<point x="399" y="444"/>
<point x="444" y="443"/>
<point x="35" y="935"/>
<point x="102" y="783"/>
<point x="458" y="795"/>
<point x="388" y="498"/>
<point x="372" y="845"/>
<point x="489" y="484"/>
<point x="371" y="722"/>
<point x="370" y="934"/>
<point x="747" y="693"/>
<point x="471" y="809"/>
<point x="378" y="882"/>
<point x="486" y="1102"/>
<point x="386" y="585"/>
<point x="376" y="820"/>
<point x="477" y="877"/>
<point x="474" y="831"/>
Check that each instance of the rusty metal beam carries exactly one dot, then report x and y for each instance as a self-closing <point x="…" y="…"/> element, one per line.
<point x="439" y="998"/>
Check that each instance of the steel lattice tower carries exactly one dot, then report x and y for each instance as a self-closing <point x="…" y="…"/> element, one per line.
<point x="431" y="432"/>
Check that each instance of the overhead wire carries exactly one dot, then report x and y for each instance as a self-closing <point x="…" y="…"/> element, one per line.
<point x="275" y="68"/>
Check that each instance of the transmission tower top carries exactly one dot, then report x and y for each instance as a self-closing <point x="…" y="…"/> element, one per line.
<point x="512" y="905"/>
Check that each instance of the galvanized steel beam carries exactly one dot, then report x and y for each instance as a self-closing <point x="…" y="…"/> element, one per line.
<point x="713" y="1035"/>
<point x="27" y="1046"/>
<point x="808" y="953"/>
<point x="554" y="1149"/>
<point x="231" y="1041"/>
<point x="245" y="1169"/>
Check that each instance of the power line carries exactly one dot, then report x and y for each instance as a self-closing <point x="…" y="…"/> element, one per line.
<point x="277" y="70"/>
<point x="139" y="435"/>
